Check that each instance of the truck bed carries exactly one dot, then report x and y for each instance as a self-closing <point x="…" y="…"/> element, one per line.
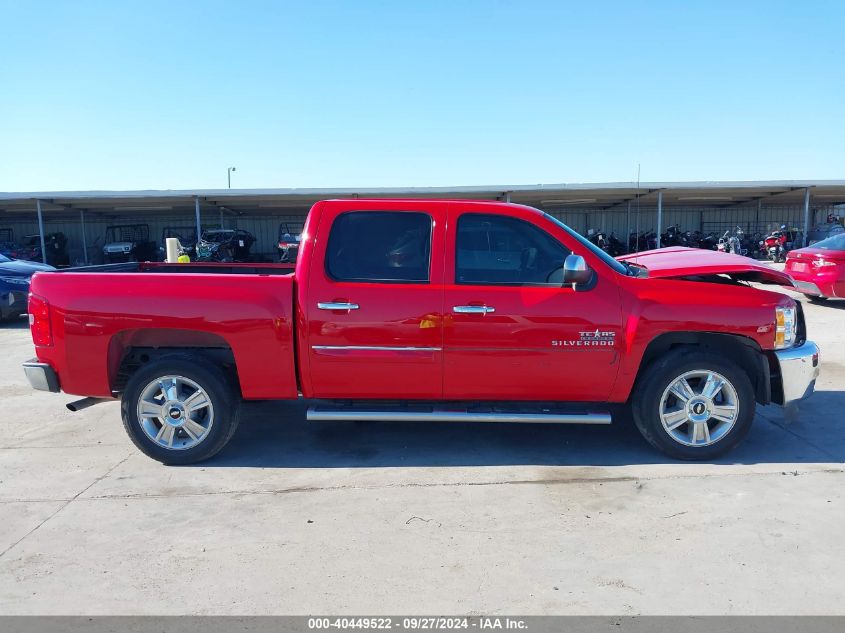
<point x="216" y="268"/>
<point x="99" y="314"/>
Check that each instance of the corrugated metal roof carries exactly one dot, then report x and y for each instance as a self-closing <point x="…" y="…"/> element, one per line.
<point x="582" y="195"/>
<point x="427" y="191"/>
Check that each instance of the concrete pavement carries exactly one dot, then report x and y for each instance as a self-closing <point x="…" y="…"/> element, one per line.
<point x="298" y="518"/>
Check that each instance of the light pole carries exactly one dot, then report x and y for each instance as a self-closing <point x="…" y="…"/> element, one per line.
<point x="229" y="175"/>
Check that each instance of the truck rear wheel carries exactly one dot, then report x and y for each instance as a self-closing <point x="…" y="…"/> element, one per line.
<point x="694" y="405"/>
<point x="179" y="409"/>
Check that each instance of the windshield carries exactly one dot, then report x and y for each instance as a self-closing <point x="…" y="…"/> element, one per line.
<point x="835" y="243"/>
<point x="607" y="259"/>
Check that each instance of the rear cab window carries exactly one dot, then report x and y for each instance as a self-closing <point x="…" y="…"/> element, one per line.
<point x="380" y="247"/>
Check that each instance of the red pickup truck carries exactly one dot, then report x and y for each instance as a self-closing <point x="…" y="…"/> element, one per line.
<point x="440" y="310"/>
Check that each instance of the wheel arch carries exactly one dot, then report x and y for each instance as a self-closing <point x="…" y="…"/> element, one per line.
<point x="744" y="351"/>
<point x="130" y="350"/>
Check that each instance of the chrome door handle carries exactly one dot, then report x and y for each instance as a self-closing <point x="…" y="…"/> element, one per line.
<point x="331" y="305"/>
<point x="473" y="309"/>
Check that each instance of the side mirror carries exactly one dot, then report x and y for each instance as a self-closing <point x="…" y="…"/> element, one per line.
<point x="576" y="271"/>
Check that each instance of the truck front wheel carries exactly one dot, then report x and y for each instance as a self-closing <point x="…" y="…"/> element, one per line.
<point x="693" y="405"/>
<point x="180" y="409"/>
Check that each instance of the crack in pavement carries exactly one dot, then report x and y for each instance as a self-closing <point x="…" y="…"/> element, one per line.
<point x="519" y="482"/>
<point x="66" y="503"/>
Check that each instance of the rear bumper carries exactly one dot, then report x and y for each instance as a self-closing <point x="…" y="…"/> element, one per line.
<point x="820" y="285"/>
<point x="807" y="287"/>
<point x="798" y="370"/>
<point x="834" y="289"/>
<point x="41" y="376"/>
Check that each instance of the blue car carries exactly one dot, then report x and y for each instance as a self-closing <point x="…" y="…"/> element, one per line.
<point x="14" y="285"/>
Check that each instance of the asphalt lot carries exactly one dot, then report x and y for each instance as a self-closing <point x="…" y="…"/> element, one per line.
<point x="387" y="518"/>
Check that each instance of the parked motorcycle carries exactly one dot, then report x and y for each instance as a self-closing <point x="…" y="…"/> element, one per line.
<point x="610" y="244"/>
<point x="692" y="239"/>
<point x="750" y="244"/>
<point x="56" y="245"/>
<point x="709" y="242"/>
<point x="732" y="242"/>
<point x="30" y="249"/>
<point x="599" y="238"/>
<point x="615" y="247"/>
<point x="673" y="237"/>
<point x="778" y="244"/>
<point x="644" y="241"/>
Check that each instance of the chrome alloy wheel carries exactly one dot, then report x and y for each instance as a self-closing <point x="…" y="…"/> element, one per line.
<point x="175" y="412"/>
<point x="699" y="408"/>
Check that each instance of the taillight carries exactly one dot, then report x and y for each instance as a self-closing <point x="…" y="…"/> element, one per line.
<point x="39" y="321"/>
<point x="823" y="263"/>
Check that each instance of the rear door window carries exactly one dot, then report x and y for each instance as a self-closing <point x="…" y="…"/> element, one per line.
<point x="380" y="246"/>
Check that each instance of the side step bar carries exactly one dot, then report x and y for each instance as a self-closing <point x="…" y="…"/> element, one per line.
<point x="437" y="414"/>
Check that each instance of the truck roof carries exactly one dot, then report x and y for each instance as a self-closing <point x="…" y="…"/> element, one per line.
<point x="463" y="202"/>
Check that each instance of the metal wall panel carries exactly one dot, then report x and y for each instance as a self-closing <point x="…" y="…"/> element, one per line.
<point x="265" y="226"/>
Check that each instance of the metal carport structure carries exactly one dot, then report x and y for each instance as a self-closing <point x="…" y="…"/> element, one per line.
<point x="619" y="200"/>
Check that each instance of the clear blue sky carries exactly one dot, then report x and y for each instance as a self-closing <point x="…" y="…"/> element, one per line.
<point x="168" y="94"/>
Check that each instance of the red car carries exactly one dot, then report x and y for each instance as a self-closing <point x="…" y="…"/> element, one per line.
<point x="819" y="270"/>
<point x="428" y="310"/>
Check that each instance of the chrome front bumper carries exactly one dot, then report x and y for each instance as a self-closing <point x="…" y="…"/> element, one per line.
<point x="41" y="376"/>
<point x="799" y="368"/>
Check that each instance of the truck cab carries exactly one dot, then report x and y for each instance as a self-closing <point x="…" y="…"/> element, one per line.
<point x="453" y="302"/>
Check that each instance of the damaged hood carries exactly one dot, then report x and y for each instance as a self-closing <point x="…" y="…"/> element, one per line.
<point x="677" y="262"/>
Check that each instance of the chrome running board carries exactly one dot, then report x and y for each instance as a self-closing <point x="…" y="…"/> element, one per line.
<point x="443" y="414"/>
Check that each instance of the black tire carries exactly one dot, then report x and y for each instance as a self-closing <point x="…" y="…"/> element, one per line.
<point x="661" y="374"/>
<point x="816" y="298"/>
<point x="219" y="388"/>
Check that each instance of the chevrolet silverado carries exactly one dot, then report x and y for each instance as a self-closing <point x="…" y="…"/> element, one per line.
<point x="428" y="310"/>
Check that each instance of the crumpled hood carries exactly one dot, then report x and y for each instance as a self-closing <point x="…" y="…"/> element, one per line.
<point x="677" y="261"/>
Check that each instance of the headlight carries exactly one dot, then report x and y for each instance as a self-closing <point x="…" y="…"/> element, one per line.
<point x="785" y="327"/>
<point x="16" y="281"/>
